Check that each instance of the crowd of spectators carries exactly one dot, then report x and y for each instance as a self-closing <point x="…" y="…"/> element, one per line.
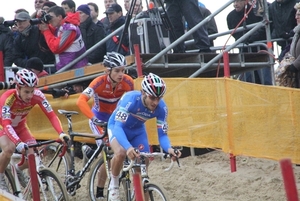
<point x="60" y="34"/>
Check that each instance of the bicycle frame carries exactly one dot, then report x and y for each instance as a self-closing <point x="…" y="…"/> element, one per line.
<point x="38" y="166"/>
<point x="74" y="178"/>
<point x="140" y="181"/>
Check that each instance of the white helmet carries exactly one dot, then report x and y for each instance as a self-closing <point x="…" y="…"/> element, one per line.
<point x="114" y="59"/>
<point x="154" y="85"/>
<point x="26" y="78"/>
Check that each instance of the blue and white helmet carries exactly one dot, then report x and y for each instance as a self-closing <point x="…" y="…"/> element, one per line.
<point x="26" y="78"/>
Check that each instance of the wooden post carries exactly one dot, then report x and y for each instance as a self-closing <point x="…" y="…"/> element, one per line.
<point x="138" y="61"/>
<point x="34" y="180"/>
<point x="289" y="180"/>
<point x="138" y="188"/>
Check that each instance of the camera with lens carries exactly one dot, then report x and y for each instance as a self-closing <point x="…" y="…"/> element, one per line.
<point x="45" y="17"/>
<point x="9" y="23"/>
<point x="56" y="93"/>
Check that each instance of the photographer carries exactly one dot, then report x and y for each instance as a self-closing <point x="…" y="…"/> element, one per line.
<point x="70" y="90"/>
<point x="64" y="38"/>
<point x="29" y="42"/>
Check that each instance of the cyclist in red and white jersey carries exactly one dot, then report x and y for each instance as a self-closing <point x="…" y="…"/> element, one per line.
<point x="105" y="90"/>
<point x="15" y="105"/>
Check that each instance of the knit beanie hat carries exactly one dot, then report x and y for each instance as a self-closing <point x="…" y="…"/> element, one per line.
<point x="35" y="63"/>
<point x="49" y="4"/>
<point x="85" y="9"/>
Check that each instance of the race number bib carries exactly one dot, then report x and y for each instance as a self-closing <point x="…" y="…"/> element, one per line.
<point x="121" y="116"/>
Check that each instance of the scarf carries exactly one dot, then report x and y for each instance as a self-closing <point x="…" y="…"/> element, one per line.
<point x="25" y="32"/>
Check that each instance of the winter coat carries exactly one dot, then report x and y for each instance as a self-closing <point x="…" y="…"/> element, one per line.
<point x="6" y="45"/>
<point x="66" y="42"/>
<point x="91" y="34"/>
<point x="282" y="16"/>
<point x="31" y="45"/>
<point x="112" y="43"/>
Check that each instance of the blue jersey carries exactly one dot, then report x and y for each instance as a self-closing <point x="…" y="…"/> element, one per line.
<point x="130" y="115"/>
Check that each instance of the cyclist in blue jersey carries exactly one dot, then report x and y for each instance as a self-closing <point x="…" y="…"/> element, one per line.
<point x="126" y="126"/>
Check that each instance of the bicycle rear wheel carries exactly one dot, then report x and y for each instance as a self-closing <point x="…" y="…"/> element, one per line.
<point x="50" y="157"/>
<point x="94" y="178"/>
<point x="155" y="192"/>
<point x="51" y="188"/>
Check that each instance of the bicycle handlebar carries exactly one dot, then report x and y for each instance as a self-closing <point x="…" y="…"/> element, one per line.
<point x="148" y="155"/>
<point x="38" y="144"/>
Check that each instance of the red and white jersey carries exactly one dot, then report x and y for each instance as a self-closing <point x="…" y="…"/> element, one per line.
<point x="14" y="112"/>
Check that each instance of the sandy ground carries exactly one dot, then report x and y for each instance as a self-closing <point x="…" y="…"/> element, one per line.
<point x="208" y="177"/>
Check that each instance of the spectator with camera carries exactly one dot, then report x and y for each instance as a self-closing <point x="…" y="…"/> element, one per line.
<point x="64" y="38"/>
<point x="29" y="42"/>
<point x="70" y="89"/>
<point x="91" y="34"/>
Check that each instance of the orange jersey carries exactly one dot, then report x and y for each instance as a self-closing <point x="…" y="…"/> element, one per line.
<point x="105" y="97"/>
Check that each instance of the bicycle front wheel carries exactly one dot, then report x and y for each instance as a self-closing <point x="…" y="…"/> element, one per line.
<point x="50" y="157"/>
<point x="10" y="182"/>
<point x="51" y="187"/>
<point x="96" y="179"/>
<point x="155" y="192"/>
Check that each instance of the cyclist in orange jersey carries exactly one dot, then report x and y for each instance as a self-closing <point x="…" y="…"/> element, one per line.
<point x="106" y="90"/>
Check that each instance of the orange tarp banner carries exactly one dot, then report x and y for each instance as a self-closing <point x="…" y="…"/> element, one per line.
<point x="238" y="117"/>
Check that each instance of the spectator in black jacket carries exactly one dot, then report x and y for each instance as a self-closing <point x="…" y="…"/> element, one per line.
<point x="91" y="34"/>
<point x="6" y="44"/>
<point x="282" y="16"/>
<point x="107" y="3"/>
<point x="95" y="13"/>
<point x="116" y="19"/>
<point x="262" y="76"/>
<point x="30" y="42"/>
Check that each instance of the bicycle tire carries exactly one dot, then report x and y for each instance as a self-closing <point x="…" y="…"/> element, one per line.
<point x="12" y="189"/>
<point x="156" y="192"/>
<point x="50" y="157"/>
<point x="92" y="183"/>
<point x="92" y="180"/>
<point x="52" y="187"/>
